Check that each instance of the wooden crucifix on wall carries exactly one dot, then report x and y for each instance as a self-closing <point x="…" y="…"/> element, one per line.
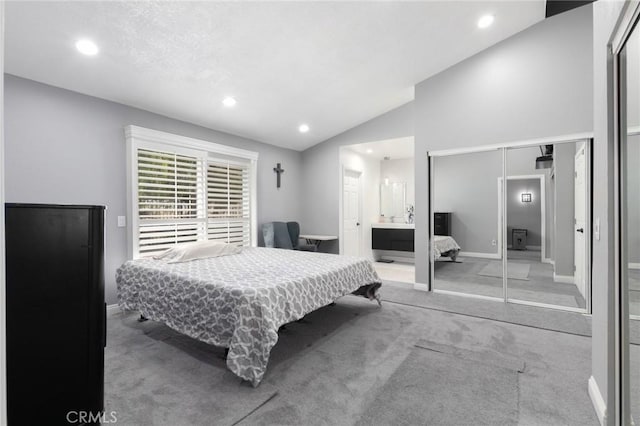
<point x="279" y="170"/>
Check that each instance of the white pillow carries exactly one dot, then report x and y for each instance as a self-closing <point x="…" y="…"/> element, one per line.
<point x="197" y="250"/>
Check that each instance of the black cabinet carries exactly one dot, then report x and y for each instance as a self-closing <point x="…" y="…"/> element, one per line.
<point x="392" y="239"/>
<point x="55" y="312"/>
<point x="442" y="224"/>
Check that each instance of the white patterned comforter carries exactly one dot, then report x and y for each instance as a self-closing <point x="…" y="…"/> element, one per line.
<point x="443" y="244"/>
<point x="240" y="301"/>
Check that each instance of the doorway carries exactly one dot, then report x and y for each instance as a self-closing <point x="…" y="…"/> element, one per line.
<point x="351" y="213"/>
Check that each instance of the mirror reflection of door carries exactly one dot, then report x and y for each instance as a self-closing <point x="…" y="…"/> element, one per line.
<point x="580" y="218"/>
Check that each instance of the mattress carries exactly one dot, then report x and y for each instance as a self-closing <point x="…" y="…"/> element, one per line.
<point x="240" y="301"/>
<point x="444" y="245"/>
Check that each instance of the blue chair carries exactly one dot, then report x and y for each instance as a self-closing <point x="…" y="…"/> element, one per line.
<point x="285" y="236"/>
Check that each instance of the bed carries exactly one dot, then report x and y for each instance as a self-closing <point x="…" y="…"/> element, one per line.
<point x="445" y="246"/>
<point x="240" y="301"/>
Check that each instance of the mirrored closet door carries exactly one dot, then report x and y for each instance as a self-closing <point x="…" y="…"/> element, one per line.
<point x="546" y="224"/>
<point x="466" y="224"/>
<point x="629" y="228"/>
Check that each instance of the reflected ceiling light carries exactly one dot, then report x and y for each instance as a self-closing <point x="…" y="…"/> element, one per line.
<point x="229" y="102"/>
<point x="303" y="128"/>
<point x="525" y="197"/>
<point x="87" y="47"/>
<point x="485" y="21"/>
<point x="369" y="151"/>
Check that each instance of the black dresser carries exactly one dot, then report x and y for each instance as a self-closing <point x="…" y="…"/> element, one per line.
<point x="56" y="324"/>
<point x="441" y="223"/>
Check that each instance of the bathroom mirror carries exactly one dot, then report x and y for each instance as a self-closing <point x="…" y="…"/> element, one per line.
<point x="392" y="199"/>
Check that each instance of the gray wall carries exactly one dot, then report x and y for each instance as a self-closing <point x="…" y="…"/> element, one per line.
<point x="605" y="15"/>
<point x="321" y="168"/>
<point x="466" y="185"/>
<point x="524" y="215"/>
<point x="537" y="83"/>
<point x="63" y="147"/>
<point x="633" y="198"/>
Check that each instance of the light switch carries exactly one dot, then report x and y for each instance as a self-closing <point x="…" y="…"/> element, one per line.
<point x="122" y="221"/>
<point x="596" y="229"/>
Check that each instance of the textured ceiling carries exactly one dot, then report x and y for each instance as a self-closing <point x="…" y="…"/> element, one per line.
<point x="332" y="65"/>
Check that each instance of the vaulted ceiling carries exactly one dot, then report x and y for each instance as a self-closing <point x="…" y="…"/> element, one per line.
<point x="331" y="65"/>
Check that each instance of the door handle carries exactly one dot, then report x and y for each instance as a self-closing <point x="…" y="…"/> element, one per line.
<point x="357" y="223"/>
<point x="580" y="230"/>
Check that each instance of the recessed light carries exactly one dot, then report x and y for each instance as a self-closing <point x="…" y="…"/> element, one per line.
<point x="87" y="47"/>
<point x="369" y="151"/>
<point x="229" y="101"/>
<point x="303" y="128"/>
<point x="485" y="21"/>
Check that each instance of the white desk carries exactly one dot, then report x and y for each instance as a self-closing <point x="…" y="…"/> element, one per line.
<point x="316" y="240"/>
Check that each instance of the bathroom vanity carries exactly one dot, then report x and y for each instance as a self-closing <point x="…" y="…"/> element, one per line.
<point x="393" y="236"/>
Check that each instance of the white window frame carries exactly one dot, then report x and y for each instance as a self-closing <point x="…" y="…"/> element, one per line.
<point x="142" y="138"/>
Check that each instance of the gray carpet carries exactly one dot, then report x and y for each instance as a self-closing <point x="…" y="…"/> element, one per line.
<point x="329" y="368"/>
<point x="548" y="319"/>
<point x="154" y="375"/>
<point x="515" y="271"/>
<point x="540" y="287"/>
<point x="428" y="386"/>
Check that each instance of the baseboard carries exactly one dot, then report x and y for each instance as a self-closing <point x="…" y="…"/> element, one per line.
<point x="566" y="279"/>
<point x="634" y="265"/>
<point x="113" y="308"/>
<point x="597" y="401"/>
<point x="421" y="287"/>
<point x="549" y="261"/>
<point x="482" y="255"/>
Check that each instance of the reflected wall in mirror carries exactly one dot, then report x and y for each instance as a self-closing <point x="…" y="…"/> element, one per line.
<point x="393" y="200"/>
<point x="547" y="237"/>
<point x="466" y="247"/>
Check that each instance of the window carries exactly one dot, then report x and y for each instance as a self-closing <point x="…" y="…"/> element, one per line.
<point x="184" y="190"/>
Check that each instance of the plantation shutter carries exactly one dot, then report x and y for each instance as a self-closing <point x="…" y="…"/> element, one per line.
<point x="170" y="207"/>
<point x="228" y="202"/>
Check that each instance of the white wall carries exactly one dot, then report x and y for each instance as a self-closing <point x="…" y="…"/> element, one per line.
<point x="401" y="170"/>
<point x="370" y="202"/>
<point x="66" y="148"/>
<point x="537" y="83"/>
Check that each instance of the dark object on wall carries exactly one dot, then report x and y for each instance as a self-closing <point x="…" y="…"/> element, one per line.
<point x="392" y="239"/>
<point x="554" y="7"/>
<point x="519" y="239"/>
<point x="56" y="324"/>
<point x="545" y="161"/>
<point x="442" y="224"/>
<point x="279" y="170"/>
<point x="525" y="197"/>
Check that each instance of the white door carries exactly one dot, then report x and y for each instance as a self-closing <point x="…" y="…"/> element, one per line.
<point x="580" y="219"/>
<point x="351" y="213"/>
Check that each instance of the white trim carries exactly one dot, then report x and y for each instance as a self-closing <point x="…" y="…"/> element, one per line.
<point x="566" y="279"/>
<point x="549" y="261"/>
<point x="421" y="287"/>
<point x="531" y="142"/>
<point x="156" y="136"/>
<point x="547" y="306"/>
<point x="473" y="296"/>
<point x="481" y="255"/>
<point x="598" y="402"/>
<point x="344" y="169"/>
<point x="384" y="254"/>
<point x="634" y="265"/>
